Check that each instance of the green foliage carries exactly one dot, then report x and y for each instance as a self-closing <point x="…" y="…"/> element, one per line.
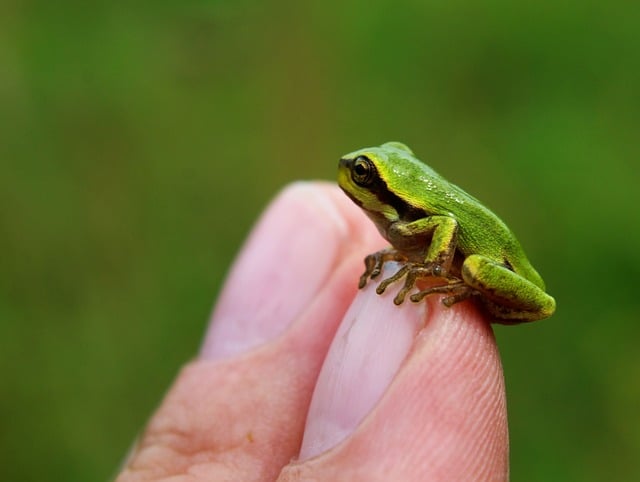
<point x="139" y="143"/>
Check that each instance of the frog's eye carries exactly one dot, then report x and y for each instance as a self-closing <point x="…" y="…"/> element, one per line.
<point x="363" y="171"/>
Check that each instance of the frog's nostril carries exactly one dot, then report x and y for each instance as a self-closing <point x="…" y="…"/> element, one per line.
<point x="345" y="162"/>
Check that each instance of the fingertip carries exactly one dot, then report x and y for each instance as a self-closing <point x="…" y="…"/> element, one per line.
<point x="370" y="345"/>
<point x="452" y="388"/>
<point x="443" y="416"/>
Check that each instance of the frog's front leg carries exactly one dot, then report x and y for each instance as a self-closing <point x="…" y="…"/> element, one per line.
<point x="374" y="262"/>
<point x="509" y="297"/>
<point x="440" y="232"/>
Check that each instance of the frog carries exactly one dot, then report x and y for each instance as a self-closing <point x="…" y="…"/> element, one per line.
<point x="438" y="231"/>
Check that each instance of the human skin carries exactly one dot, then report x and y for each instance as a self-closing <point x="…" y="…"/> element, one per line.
<point x="303" y="377"/>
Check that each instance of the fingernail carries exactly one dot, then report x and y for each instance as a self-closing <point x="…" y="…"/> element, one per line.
<point x="374" y="338"/>
<point x="287" y="258"/>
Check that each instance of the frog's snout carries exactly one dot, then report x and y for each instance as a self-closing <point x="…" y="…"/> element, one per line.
<point x="345" y="162"/>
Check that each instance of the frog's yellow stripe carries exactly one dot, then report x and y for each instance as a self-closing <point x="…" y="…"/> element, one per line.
<point x="386" y="197"/>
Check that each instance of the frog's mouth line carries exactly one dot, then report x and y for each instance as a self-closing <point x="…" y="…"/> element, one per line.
<point x="355" y="200"/>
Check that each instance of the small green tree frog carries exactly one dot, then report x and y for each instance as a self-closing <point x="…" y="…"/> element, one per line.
<point x="438" y="230"/>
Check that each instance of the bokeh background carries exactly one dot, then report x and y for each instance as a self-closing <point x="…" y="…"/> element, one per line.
<point x="138" y="144"/>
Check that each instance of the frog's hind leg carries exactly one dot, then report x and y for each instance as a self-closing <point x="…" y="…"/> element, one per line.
<point x="507" y="296"/>
<point x="457" y="290"/>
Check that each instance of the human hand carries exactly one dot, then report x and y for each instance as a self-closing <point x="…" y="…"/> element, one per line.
<point x="302" y="378"/>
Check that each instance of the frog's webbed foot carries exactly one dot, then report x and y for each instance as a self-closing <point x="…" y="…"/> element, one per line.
<point x="374" y="262"/>
<point x="457" y="290"/>
<point x="413" y="272"/>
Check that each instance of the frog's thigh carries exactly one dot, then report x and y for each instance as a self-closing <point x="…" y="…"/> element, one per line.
<point x="505" y="288"/>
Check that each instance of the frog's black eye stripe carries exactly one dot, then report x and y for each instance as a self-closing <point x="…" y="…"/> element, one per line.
<point x="363" y="171"/>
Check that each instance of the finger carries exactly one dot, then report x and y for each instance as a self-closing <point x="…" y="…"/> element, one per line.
<point x="238" y="412"/>
<point x="442" y="417"/>
<point x="367" y="351"/>
<point x="292" y="252"/>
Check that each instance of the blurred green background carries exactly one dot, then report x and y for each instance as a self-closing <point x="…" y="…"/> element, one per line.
<point x="138" y="144"/>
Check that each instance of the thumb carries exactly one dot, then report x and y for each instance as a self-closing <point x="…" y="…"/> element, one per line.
<point x="387" y="408"/>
